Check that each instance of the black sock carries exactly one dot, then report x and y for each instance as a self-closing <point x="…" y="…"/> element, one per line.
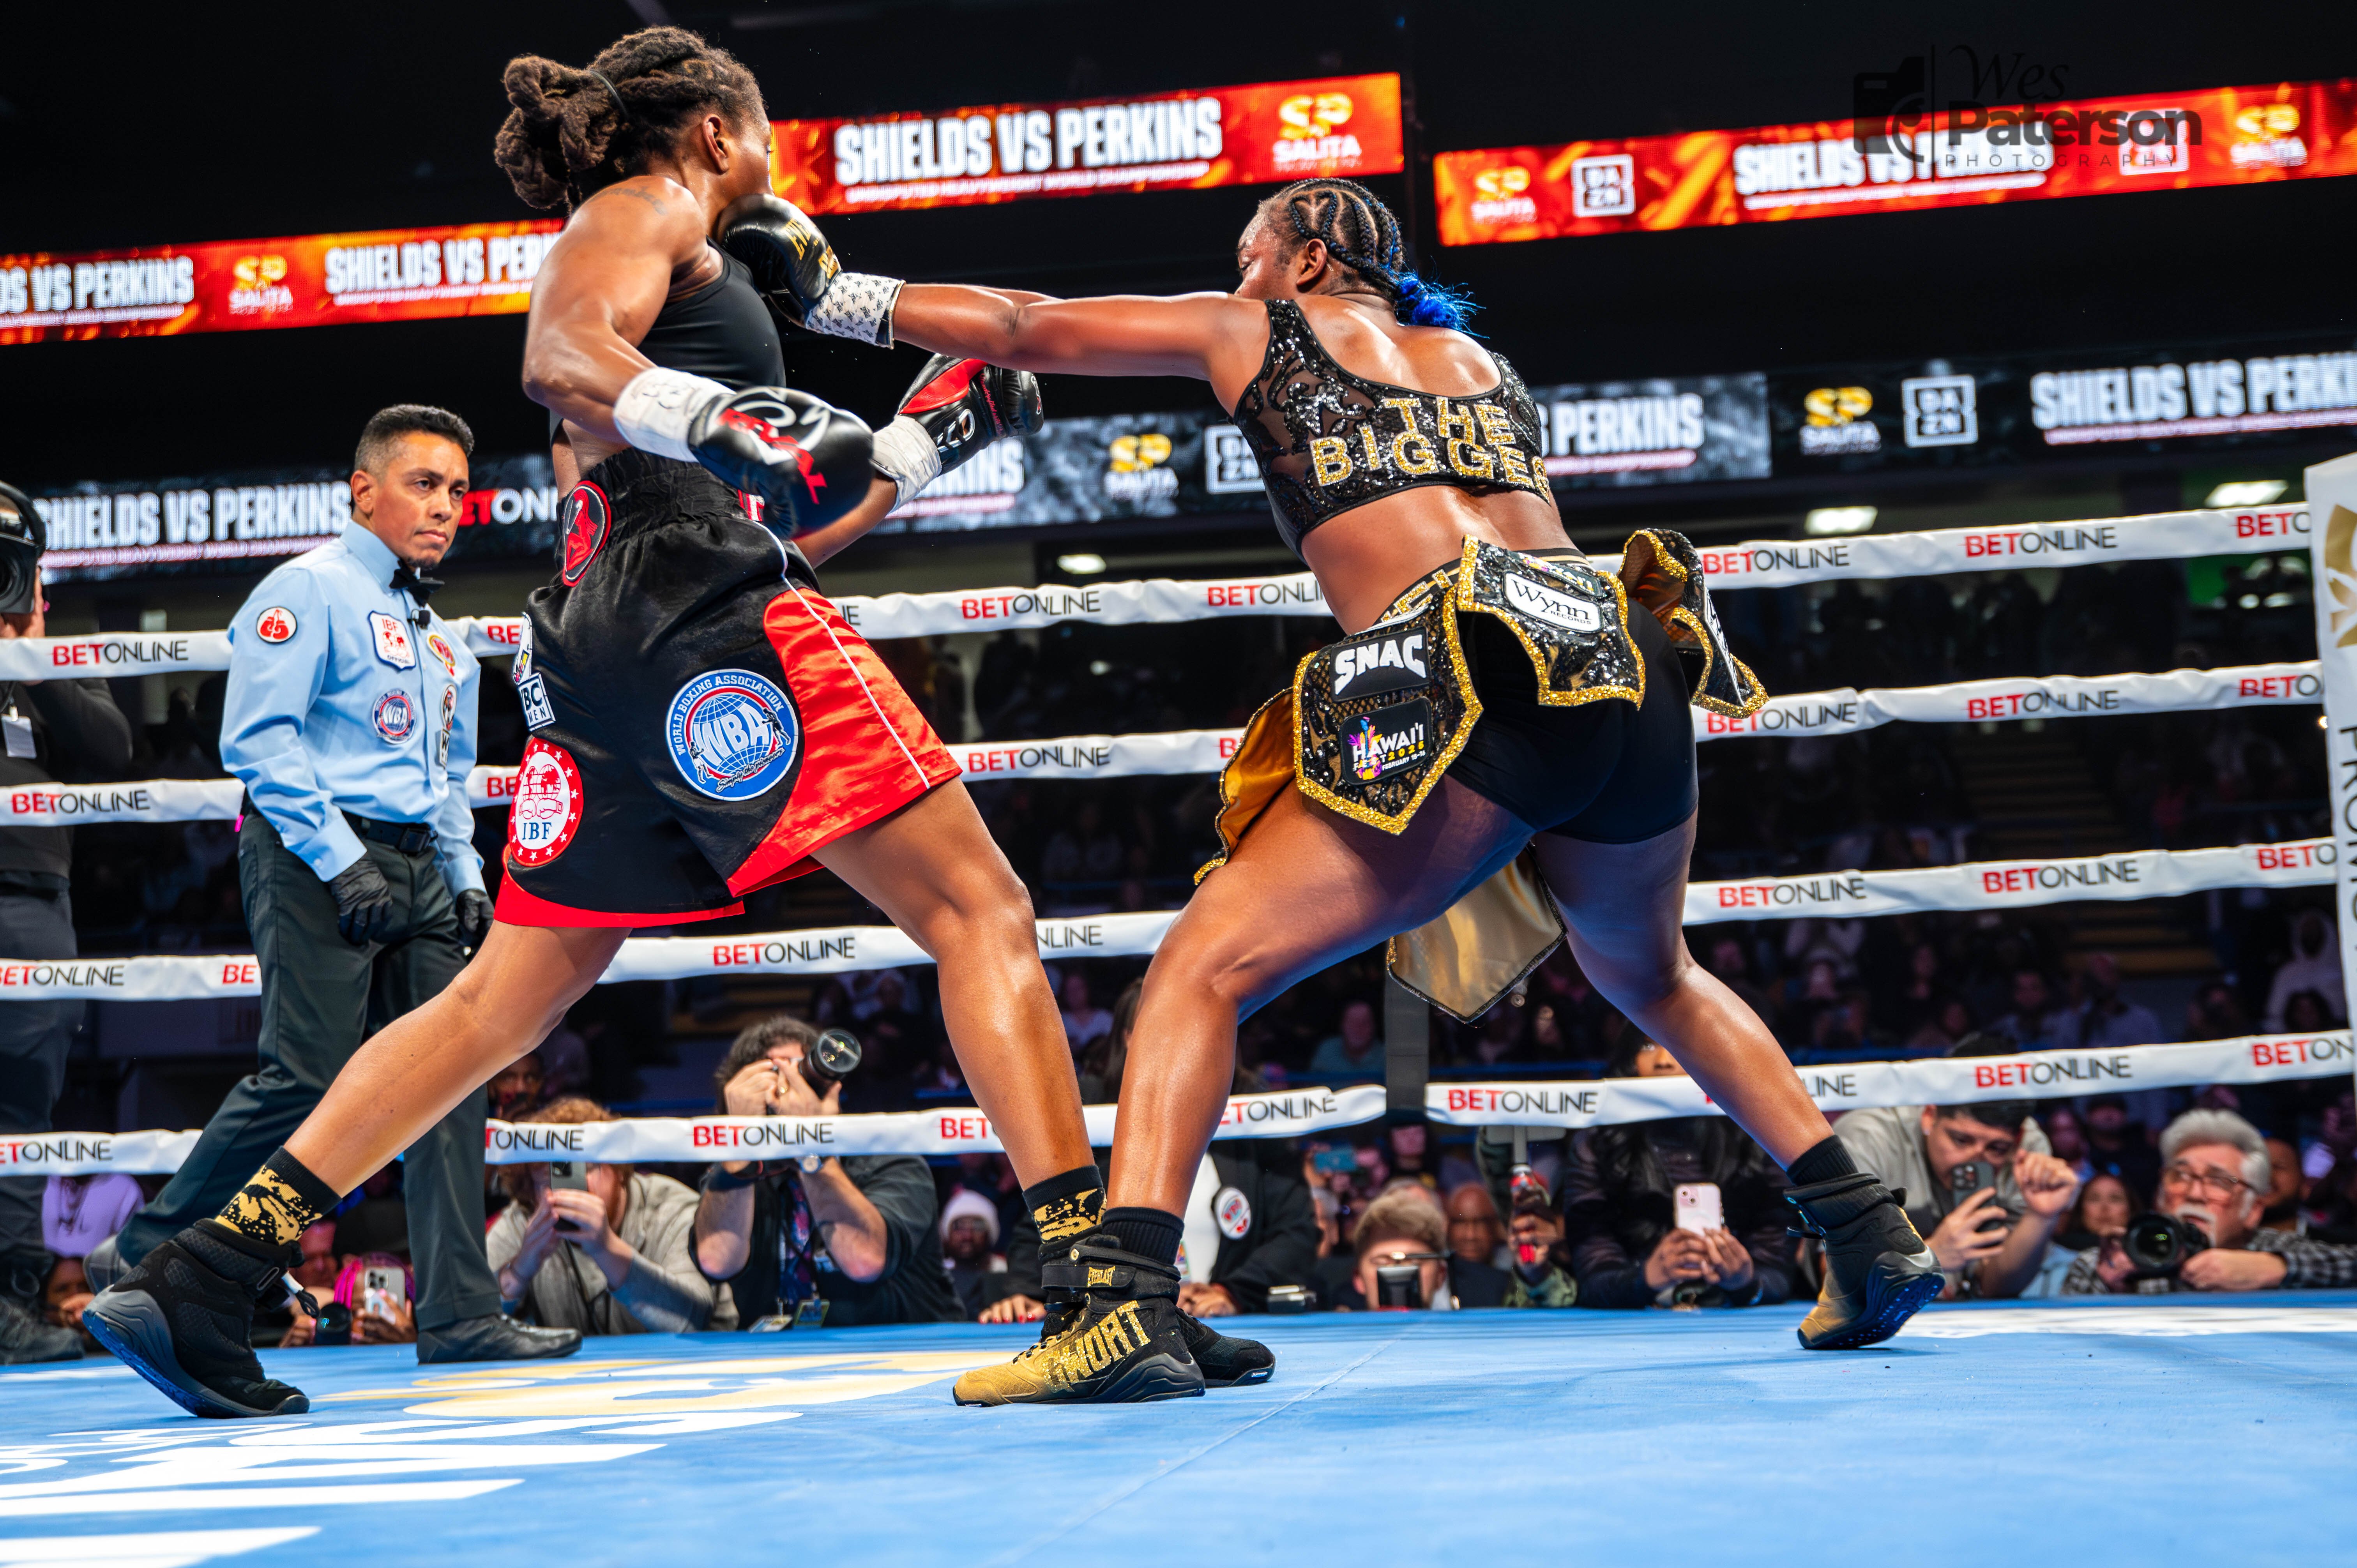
<point x="273" y="1209"/>
<point x="1824" y="1162"/>
<point x="1149" y="1232"/>
<point x="1066" y="1205"/>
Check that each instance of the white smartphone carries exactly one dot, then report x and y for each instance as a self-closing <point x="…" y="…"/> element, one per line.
<point x="382" y="1289"/>
<point x="1697" y="1204"/>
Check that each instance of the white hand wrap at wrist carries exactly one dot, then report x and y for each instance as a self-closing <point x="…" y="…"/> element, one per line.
<point x="856" y="305"/>
<point x="906" y="455"/>
<point x="659" y="407"/>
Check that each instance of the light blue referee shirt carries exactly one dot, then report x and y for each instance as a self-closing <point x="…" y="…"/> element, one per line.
<point x="340" y="701"/>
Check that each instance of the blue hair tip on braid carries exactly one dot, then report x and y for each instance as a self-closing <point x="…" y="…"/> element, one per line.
<point x="1425" y="304"/>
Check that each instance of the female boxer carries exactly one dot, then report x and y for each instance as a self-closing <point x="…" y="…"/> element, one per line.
<point x="1491" y="694"/>
<point x="703" y="721"/>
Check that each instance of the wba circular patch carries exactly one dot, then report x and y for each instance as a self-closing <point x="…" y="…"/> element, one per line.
<point x="276" y="624"/>
<point x="547" y="807"/>
<point x="589" y="519"/>
<point x="395" y="717"/>
<point x="733" y="734"/>
<point x="1232" y="1210"/>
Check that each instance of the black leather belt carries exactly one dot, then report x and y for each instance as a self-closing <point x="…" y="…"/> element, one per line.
<point x="409" y="838"/>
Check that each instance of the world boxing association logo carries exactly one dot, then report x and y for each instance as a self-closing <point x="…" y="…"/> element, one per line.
<point x="589" y="519"/>
<point x="547" y="807"/>
<point x="733" y="735"/>
<point x="395" y="716"/>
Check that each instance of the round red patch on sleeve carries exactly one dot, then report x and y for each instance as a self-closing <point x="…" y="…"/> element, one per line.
<point x="276" y="624"/>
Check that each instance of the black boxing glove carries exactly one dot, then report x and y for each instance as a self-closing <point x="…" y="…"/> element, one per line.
<point x="474" y="909"/>
<point x="804" y="456"/>
<point x="953" y="409"/>
<point x="797" y="273"/>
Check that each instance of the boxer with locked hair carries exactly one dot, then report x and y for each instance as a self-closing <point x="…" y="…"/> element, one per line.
<point x="1495" y="755"/>
<point x="704" y="721"/>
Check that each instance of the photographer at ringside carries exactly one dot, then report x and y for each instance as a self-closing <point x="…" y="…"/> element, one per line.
<point x="854" y="1232"/>
<point x="2213" y="1183"/>
<point x="51" y="727"/>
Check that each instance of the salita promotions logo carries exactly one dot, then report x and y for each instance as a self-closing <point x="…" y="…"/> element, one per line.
<point x="1137" y="471"/>
<point x="257" y="286"/>
<point x="1309" y="131"/>
<point x="1836" y="422"/>
<point x="733" y="735"/>
<point x="1499" y="195"/>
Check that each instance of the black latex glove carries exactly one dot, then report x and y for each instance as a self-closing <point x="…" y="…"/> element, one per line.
<point x="363" y="901"/>
<point x="474" y="917"/>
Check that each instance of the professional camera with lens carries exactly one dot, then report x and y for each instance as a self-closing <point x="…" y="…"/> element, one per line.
<point x="831" y="1059"/>
<point x="2157" y="1245"/>
<point x="23" y="537"/>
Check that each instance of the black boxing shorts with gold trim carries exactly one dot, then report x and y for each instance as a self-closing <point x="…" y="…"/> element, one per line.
<point x="702" y="717"/>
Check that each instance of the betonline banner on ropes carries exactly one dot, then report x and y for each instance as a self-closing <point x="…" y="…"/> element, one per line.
<point x="1856" y="1086"/>
<point x="1842" y="711"/>
<point x="1980" y="884"/>
<point x="240" y="286"/>
<point x="1570" y="1104"/>
<point x="1965" y="155"/>
<point x="2332" y="493"/>
<point x="1193" y="139"/>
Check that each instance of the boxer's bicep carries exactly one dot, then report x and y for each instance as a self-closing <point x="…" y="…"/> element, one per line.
<point x="597" y="294"/>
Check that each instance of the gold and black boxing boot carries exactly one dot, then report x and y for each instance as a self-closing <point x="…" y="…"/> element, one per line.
<point x="1123" y="1343"/>
<point x="1227" y="1361"/>
<point x="1878" y="1272"/>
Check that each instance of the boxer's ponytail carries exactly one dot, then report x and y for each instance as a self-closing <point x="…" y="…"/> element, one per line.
<point x="572" y="133"/>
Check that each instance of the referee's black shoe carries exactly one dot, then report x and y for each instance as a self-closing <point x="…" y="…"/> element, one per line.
<point x="184" y="1320"/>
<point x="494" y="1336"/>
<point x="1878" y="1272"/>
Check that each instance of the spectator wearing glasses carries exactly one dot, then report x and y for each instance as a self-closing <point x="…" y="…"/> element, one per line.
<point x="1990" y="1238"/>
<point x="2214" y="1176"/>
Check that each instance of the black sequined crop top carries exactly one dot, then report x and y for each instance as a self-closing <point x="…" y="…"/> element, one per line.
<point x="1327" y="440"/>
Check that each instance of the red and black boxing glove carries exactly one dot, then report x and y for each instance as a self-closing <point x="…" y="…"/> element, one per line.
<point x="953" y="409"/>
<point x="805" y="458"/>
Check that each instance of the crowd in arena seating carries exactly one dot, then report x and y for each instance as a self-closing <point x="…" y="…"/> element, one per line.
<point x="1411" y="1213"/>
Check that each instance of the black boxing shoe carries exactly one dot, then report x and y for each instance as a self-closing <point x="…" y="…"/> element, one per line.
<point x="1878" y="1272"/>
<point x="1227" y="1361"/>
<point x="1124" y="1344"/>
<point x="183" y="1319"/>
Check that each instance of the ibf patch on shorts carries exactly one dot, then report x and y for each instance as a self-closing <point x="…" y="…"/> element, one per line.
<point x="547" y="807"/>
<point x="538" y="712"/>
<point x="275" y="625"/>
<point x="1389" y="739"/>
<point x="1371" y="666"/>
<point x="395" y="717"/>
<point x="589" y="521"/>
<point x="733" y="735"/>
<point x="393" y="644"/>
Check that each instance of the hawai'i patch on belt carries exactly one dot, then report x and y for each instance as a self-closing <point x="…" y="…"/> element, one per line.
<point x="547" y="807"/>
<point x="588" y="520"/>
<point x="1389" y="739"/>
<point x="733" y="734"/>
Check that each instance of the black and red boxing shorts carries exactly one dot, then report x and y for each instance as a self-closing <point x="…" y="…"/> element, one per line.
<point x="702" y="718"/>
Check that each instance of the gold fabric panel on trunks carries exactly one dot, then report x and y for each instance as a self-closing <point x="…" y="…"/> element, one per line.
<point x="1484" y="946"/>
<point x="1663" y="571"/>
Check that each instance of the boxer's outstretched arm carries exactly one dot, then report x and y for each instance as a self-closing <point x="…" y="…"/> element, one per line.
<point x="597" y="293"/>
<point x="1196" y="335"/>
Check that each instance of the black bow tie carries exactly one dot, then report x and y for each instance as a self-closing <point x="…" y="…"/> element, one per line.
<point x="421" y="587"/>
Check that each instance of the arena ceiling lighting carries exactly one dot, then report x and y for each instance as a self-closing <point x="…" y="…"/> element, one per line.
<point x="1083" y="564"/>
<point x="1839" y="520"/>
<point x="2247" y="492"/>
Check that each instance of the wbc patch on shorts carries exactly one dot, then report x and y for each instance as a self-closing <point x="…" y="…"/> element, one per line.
<point x="733" y="735"/>
<point x="539" y="712"/>
<point x="1389" y="739"/>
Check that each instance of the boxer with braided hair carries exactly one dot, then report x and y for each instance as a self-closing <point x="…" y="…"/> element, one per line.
<point x="703" y="721"/>
<point x="1493" y="757"/>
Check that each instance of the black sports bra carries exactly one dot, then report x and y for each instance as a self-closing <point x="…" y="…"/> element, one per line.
<point x="1327" y="440"/>
<point x="721" y="330"/>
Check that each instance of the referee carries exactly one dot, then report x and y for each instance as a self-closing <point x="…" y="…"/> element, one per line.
<point x="351" y="718"/>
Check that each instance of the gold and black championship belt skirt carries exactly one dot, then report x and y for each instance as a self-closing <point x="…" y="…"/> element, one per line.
<point x="1372" y="722"/>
